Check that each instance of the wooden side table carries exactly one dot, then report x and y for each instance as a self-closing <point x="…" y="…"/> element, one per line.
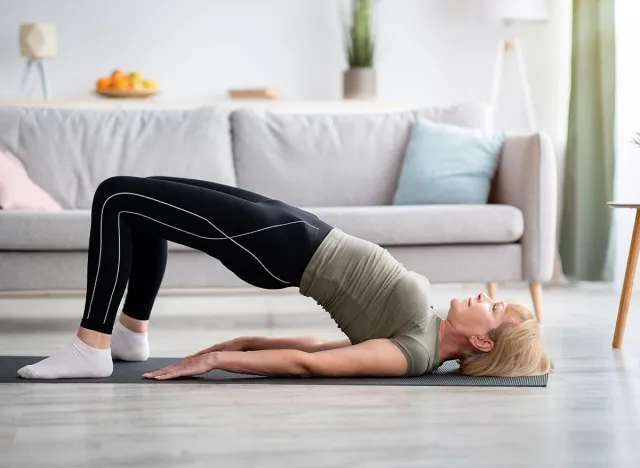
<point x="629" y="275"/>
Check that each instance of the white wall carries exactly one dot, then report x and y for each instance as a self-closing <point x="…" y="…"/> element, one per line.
<point x="627" y="123"/>
<point x="430" y="51"/>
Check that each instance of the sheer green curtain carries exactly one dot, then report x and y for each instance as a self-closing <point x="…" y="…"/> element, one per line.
<point x="588" y="181"/>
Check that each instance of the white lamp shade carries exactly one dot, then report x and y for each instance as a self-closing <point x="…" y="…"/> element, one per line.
<point x="513" y="10"/>
<point x="38" y="40"/>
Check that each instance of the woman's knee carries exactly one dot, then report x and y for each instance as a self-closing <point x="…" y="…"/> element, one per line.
<point x="111" y="186"/>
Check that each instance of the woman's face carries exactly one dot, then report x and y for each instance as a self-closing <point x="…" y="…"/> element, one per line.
<point x="474" y="317"/>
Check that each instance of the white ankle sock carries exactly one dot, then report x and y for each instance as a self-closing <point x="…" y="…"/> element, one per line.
<point x="78" y="360"/>
<point x="128" y="345"/>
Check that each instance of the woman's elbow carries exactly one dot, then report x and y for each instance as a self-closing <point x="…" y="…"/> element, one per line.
<point x="303" y="365"/>
<point x="311" y="365"/>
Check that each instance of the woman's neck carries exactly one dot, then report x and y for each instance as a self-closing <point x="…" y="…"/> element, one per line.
<point x="450" y="344"/>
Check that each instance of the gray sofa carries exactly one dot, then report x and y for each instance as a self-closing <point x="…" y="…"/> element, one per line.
<point x="343" y="167"/>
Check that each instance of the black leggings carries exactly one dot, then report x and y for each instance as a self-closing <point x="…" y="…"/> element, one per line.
<point x="264" y="242"/>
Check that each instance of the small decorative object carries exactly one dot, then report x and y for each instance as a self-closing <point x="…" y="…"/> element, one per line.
<point x="130" y="85"/>
<point x="359" y="81"/>
<point x="263" y="93"/>
<point x="38" y="41"/>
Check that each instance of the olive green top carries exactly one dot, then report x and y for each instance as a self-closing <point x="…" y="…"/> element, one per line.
<point x="369" y="294"/>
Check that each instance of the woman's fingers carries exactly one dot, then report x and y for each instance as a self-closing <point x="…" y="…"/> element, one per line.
<point x="237" y="344"/>
<point x="215" y="347"/>
<point x="157" y="372"/>
<point x="196" y="354"/>
<point x="186" y="367"/>
<point x="164" y="370"/>
<point x="161" y="372"/>
<point x="151" y="375"/>
<point x="204" y="351"/>
<point x="169" y="375"/>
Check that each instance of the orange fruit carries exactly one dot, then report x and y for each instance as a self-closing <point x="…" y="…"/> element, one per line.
<point x="120" y="83"/>
<point x="103" y="83"/>
<point x="117" y="73"/>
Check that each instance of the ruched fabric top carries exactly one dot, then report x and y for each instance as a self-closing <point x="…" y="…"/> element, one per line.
<point x="369" y="294"/>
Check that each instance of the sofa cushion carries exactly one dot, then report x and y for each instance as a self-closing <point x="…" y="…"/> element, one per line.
<point x="475" y="115"/>
<point x="69" y="151"/>
<point x="18" y="191"/>
<point x="320" y="160"/>
<point x="331" y="159"/>
<point x="384" y="225"/>
<point x="447" y="164"/>
<point x="428" y="224"/>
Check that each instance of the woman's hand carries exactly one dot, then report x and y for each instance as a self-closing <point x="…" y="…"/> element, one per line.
<point x="237" y="344"/>
<point x="187" y="367"/>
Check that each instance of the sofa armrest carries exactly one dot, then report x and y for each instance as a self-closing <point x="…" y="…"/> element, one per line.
<point x="527" y="179"/>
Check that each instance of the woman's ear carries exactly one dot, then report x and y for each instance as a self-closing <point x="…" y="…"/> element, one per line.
<point x="483" y="344"/>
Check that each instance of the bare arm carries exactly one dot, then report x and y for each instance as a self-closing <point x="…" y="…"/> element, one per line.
<point x="307" y="344"/>
<point x="371" y="358"/>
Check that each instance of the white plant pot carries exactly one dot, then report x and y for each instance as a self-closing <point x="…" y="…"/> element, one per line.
<point x="359" y="83"/>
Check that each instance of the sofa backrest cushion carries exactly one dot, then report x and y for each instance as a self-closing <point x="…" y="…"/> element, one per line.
<point x="69" y="151"/>
<point x="318" y="159"/>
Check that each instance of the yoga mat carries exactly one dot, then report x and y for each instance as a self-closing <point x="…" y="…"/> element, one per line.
<point x="131" y="372"/>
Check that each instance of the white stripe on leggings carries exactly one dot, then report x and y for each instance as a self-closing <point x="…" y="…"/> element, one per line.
<point x="203" y="237"/>
<point x="226" y="237"/>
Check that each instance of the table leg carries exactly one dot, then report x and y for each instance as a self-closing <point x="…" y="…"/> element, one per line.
<point x="627" y="286"/>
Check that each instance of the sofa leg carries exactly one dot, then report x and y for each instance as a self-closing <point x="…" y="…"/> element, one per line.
<point x="556" y="270"/>
<point x="536" y="296"/>
<point x="492" y="290"/>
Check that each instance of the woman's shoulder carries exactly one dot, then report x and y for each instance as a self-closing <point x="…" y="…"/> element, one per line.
<point x="418" y="339"/>
<point x="420" y="346"/>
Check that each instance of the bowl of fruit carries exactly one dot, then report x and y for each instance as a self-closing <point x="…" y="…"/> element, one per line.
<point x="130" y="85"/>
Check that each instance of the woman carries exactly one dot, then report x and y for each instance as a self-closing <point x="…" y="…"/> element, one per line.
<point x="382" y="308"/>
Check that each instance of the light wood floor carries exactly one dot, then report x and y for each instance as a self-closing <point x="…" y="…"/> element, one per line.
<point x="588" y="416"/>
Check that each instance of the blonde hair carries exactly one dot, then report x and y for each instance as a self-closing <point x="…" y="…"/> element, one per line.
<point x="516" y="352"/>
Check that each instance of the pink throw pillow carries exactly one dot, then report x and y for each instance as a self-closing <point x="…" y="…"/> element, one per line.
<point x="18" y="191"/>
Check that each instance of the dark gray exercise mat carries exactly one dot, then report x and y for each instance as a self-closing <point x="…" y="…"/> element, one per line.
<point x="131" y="372"/>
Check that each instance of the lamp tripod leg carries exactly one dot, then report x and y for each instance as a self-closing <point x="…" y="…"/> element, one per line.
<point x="43" y="79"/>
<point x="25" y="76"/>
<point x="526" y="87"/>
<point x="498" y="70"/>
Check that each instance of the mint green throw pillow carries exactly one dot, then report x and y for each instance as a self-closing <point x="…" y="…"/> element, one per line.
<point x="445" y="164"/>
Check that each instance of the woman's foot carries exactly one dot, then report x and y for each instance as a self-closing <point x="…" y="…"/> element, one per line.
<point x="129" y="342"/>
<point x="78" y="360"/>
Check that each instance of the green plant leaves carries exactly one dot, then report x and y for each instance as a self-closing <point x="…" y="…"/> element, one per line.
<point x="359" y="41"/>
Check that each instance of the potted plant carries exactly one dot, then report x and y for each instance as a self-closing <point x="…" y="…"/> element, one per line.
<point x="359" y="80"/>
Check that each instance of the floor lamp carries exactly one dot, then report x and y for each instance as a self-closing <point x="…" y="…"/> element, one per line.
<point x="511" y="14"/>
<point x="38" y="41"/>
